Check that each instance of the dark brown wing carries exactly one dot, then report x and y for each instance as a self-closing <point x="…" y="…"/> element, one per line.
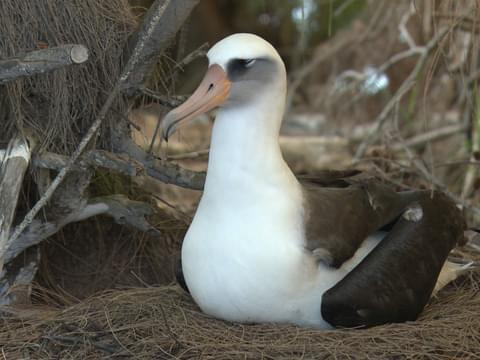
<point x="395" y="281"/>
<point x="341" y="212"/>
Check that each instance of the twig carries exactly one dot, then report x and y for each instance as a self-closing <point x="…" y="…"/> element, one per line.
<point x="402" y="26"/>
<point x="458" y="162"/>
<point x="433" y="135"/>
<point x="475" y="75"/>
<point x="13" y="166"/>
<point x="74" y="340"/>
<point x="473" y="113"/>
<point x="361" y="77"/>
<point x="162" y="22"/>
<point x="189" y="155"/>
<point x="465" y="22"/>
<point x="327" y="50"/>
<point x="167" y="325"/>
<point x="169" y="101"/>
<point x="409" y="82"/>
<point x="339" y="11"/>
<point x="322" y="54"/>
<point x="431" y="178"/>
<point x="166" y="172"/>
<point x="195" y="54"/>
<point x="42" y="61"/>
<point x="438" y="184"/>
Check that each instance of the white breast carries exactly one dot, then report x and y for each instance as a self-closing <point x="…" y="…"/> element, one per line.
<point x="240" y="265"/>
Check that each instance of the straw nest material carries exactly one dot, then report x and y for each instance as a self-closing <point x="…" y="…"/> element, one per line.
<point x="164" y="323"/>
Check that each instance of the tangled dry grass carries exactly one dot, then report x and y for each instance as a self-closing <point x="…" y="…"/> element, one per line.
<point x="163" y="323"/>
<point x="60" y="106"/>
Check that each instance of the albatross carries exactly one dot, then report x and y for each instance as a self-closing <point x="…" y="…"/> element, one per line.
<point x="337" y="250"/>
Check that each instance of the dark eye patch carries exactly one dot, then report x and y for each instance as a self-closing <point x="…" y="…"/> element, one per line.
<point x="248" y="77"/>
<point x="249" y="69"/>
<point x="236" y="68"/>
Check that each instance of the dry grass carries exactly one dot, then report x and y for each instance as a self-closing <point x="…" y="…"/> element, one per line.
<point x="163" y="323"/>
<point x="61" y="105"/>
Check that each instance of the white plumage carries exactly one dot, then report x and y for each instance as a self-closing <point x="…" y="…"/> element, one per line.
<point x="238" y="264"/>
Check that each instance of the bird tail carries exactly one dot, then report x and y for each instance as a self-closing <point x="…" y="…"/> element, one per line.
<point x="457" y="266"/>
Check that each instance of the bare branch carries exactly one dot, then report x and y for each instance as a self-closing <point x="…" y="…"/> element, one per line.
<point x="199" y="52"/>
<point x="166" y="172"/>
<point x="42" y="61"/>
<point x="322" y="54"/>
<point x="13" y="165"/>
<point x="15" y="287"/>
<point x="126" y="211"/>
<point x="162" y="21"/>
<point x="433" y="135"/>
<point x="189" y="155"/>
<point x="409" y="82"/>
<point x="119" y="207"/>
<point x="169" y="101"/>
<point x="402" y="27"/>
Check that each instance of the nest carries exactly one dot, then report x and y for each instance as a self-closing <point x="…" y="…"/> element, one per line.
<point x="164" y="323"/>
<point x="60" y="106"/>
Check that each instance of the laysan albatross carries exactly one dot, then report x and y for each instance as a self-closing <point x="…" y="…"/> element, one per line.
<point x="339" y="250"/>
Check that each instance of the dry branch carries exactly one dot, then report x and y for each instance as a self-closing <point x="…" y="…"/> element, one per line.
<point x="166" y="172"/>
<point x="322" y="54"/>
<point x="14" y="163"/>
<point x="162" y="22"/>
<point x="42" y="61"/>
<point x="118" y="207"/>
<point x="169" y="101"/>
<point x="436" y="134"/>
<point x="409" y="82"/>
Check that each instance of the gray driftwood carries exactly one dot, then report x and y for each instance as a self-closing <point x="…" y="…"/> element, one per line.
<point x="166" y="172"/>
<point x="13" y="165"/>
<point x="14" y="162"/>
<point x="119" y="207"/>
<point x="162" y="22"/>
<point x="42" y="61"/>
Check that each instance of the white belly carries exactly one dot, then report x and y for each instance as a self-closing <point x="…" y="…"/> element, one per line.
<point x="232" y="278"/>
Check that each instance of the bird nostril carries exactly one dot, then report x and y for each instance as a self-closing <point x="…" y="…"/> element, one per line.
<point x="210" y="87"/>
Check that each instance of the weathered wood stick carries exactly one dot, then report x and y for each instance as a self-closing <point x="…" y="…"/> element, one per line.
<point x="119" y="207"/>
<point x="434" y="135"/>
<point x="162" y="22"/>
<point x="42" y="61"/>
<point x="166" y="172"/>
<point x="13" y="165"/>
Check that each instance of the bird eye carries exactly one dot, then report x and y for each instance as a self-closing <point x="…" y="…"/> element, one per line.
<point x="249" y="62"/>
<point x="236" y="68"/>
